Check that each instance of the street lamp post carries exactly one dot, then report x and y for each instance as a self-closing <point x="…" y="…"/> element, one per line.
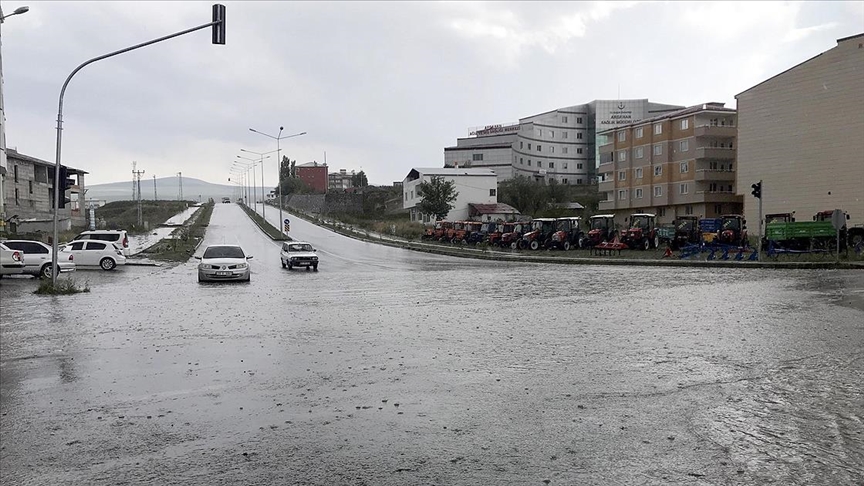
<point x="239" y="173"/>
<point x="261" y="158"/>
<point x="278" y="138"/>
<point x="18" y="11"/>
<point x="254" y="188"/>
<point x="246" y="168"/>
<point x="218" y="26"/>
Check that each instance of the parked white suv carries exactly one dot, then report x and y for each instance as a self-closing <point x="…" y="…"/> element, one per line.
<point x="38" y="261"/>
<point x="298" y="254"/>
<point x="118" y="237"/>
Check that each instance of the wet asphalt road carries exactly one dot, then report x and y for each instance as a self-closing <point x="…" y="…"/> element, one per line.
<point x="390" y="367"/>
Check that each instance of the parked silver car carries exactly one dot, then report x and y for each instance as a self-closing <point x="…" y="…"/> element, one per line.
<point x="224" y="262"/>
<point x="38" y="260"/>
<point x="11" y="261"/>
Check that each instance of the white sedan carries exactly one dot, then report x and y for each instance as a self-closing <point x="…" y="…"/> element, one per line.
<point x="38" y="260"/>
<point x="95" y="253"/>
<point x="11" y="261"/>
<point x="223" y="262"/>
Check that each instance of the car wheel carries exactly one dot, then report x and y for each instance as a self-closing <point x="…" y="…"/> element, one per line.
<point x="315" y="268"/>
<point x="45" y="271"/>
<point x="107" y="264"/>
<point x="290" y="266"/>
<point x="308" y="268"/>
<point x="283" y="263"/>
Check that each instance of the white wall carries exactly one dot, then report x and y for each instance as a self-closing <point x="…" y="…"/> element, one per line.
<point x="471" y="189"/>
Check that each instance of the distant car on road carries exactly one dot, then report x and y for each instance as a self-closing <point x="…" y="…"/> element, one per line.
<point x="38" y="261"/>
<point x="96" y="253"/>
<point x="11" y="261"/>
<point x="224" y="262"/>
<point x="298" y="254"/>
<point x="226" y="200"/>
<point x="118" y="237"/>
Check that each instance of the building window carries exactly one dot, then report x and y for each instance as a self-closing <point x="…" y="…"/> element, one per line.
<point x="412" y="194"/>
<point x="30" y="184"/>
<point x="564" y="181"/>
<point x="551" y="134"/>
<point x="563" y="150"/>
<point x="658" y="149"/>
<point x="563" y="119"/>
<point x="639" y="152"/>
<point x="521" y="161"/>
<point x="16" y="178"/>
<point x="579" y="135"/>
<point x="688" y="209"/>
<point x="565" y="165"/>
<point x="661" y="212"/>
<point x="478" y="156"/>
<point x="658" y="191"/>
<point x="622" y="175"/>
<point x="579" y="119"/>
<point x="552" y="149"/>
<point x="622" y="136"/>
<point x="684" y="145"/>
<point x="520" y="145"/>
<point x="639" y="193"/>
<point x="566" y="134"/>
<point x="658" y="170"/>
<point x="539" y="132"/>
<point x="529" y="162"/>
<point x="529" y="146"/>
<point x="579" y="150"/>
<point x="579" y="165"/>
<point x="16" y="192"/>
<point x="639" y="132"/>
<point x="683" y="189"/>
<point x="685" y="167"/>
<point x="685" y="124"/>
<point x="622" y="194"/>
<point x="539" y="163"/>
<point x="539" y="148"/>
<point x="492" y="192"/>
<point x="718" y="209"/>
<point x="551" y="165"/>
<point x="658" y="129"/>
<point x="622" y="155"/>
<point x="638" y="172"/>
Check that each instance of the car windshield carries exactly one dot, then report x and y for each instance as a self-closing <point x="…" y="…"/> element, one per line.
<point x="300" y="247"/>
<point x="224" y="252"/>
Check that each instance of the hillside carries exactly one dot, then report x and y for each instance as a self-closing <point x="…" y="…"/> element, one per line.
<point x="167" y="188"/>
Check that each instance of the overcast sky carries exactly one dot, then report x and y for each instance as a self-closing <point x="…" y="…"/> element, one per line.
<point x="379" y="87"/>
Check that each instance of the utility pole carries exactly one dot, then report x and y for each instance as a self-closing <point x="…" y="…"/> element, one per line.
<point x="180" y="178"/>
<point x="134" y="165"/>
<point x="138" y="184"/>
<point x="155" y="198"/>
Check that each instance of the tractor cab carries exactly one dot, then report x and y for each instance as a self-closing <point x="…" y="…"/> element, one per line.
<point x="642" y="232"/>
<point x="601" y="227"/>
<point x="687" y="232"/>
<point x="494" y="236"/>
<point x="441" y="229"/>
<point x="476" y="231"/>
<point x="733" y="230"/>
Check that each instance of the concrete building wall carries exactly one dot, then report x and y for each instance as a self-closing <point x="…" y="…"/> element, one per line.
<point x="472" y="188"/>
<point x="28" y="188"/>
<point x="802" y="133"/>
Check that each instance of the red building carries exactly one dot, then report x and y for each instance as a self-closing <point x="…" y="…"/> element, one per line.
<point x="314" y="175"/>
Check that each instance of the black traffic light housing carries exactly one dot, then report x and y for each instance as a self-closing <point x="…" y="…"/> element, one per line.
<point x="219" y="24"/>
<point x="757" y="190"/>
<point x="66" y="183"/>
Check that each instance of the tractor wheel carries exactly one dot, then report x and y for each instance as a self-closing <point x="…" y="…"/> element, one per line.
<point x="656" y="241"/>
<point x="513" y="245"/>
<point x="535" y="244"/>
<point x="566" y="246"/>
<point x="647" y="244"/>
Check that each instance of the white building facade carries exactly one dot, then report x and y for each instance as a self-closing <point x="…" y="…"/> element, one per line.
<point x="558" y="145"/>
<point x="472" y="185"/>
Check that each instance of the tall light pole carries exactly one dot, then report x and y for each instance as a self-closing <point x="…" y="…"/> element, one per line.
<point x="218" y="37"/>
<point x="247" y="167"/>
<point x="255" y="162"/>
<point x="262" y="156"/>
<point x="239" y="173"/>
<point x="278" y="138"/>
<point x="18" y="11"/>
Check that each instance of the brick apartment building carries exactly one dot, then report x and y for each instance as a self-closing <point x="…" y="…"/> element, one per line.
<point x="314" y="175"/>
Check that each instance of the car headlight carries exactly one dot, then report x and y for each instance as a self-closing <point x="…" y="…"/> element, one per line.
<point x="242" y="265"/>
<point x="314" y="259"/>
<point x="201" y="266"/>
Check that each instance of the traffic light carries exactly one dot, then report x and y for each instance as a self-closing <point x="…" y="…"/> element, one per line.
<point x="65" y="184"/>
<point x="757" y="190"/>
<point x="219" y="24"/>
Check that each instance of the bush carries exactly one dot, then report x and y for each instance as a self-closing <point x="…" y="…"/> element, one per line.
<point x="64" y="287"/>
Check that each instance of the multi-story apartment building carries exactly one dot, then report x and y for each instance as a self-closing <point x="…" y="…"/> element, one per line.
<point x="341" y="180"/>
<point x="802" y="133"/>
<point x="29" y="192"/>
<point x="314" y="175"/>
<point x="558" y="145"/>
<point x="680" y="163"/>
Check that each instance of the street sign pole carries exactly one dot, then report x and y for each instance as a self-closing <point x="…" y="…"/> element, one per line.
<point x="838" y="220"/>
<point x="759" y="243"/>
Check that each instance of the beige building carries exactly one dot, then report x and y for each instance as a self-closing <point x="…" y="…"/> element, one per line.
<point x="802" y="133"/>
<point x="680" y="163"/>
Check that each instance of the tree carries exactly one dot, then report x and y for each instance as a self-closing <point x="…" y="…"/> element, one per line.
<point x="524" y="194"/>
<point x="284" y="169"/>
<point x="359" y="179"/>
<point x="438" y="196"/>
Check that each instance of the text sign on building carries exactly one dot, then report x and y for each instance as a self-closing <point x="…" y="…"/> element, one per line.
<point x="624" y="112"/>
<point x="494" y="129"/>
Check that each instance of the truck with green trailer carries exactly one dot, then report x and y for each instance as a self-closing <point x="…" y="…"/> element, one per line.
<point x="802" y="235"/>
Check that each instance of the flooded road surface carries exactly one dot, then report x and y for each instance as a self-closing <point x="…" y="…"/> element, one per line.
<point x="390" y="367"/>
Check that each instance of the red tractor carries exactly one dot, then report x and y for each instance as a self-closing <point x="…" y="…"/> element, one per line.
<point x="601" y="227"/>
<point x="642" y="232"/>
<point x="494" y="236"/>
<point x="540" y="234"/>
<point x="441" y="228"/>
<point x="733" y="230"/>
<point x="513" y="237"/>
<point x="568" y="233"/>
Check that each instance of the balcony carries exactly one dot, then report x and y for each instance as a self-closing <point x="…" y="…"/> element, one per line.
<point x="715" y="131"/>
<point x="715" y="153"/>
<point x="710" y="175"/>
<point x="718" y="196"/>
<point x="605" y="186"/>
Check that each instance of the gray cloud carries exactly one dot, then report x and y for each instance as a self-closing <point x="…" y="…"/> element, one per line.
<point x="383" y="86"/>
